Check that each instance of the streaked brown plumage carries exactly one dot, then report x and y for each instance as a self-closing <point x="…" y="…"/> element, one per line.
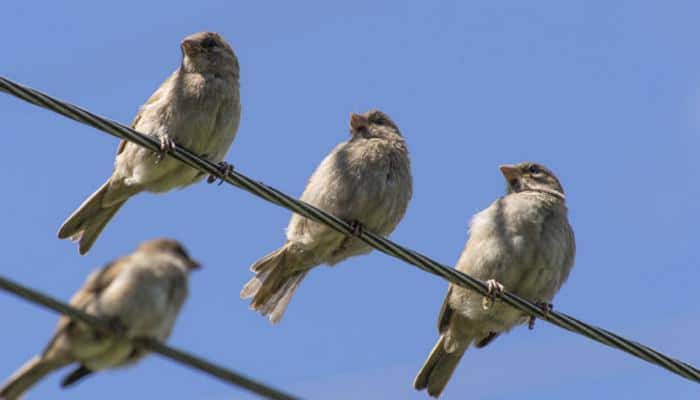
<point x="143" y="292"/>
<point x="522" y="241"/>
<point x="197" y="107"/>
<point x="365" y="180"/>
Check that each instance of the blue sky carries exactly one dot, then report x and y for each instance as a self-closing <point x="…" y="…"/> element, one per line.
<point x="607" y="94"/>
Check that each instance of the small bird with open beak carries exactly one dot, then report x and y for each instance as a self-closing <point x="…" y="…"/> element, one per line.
<point x="142" y="293"/>
<point x="197" y="107"/>
<point x="522" y="242"/>
<point x="366" y="181"/>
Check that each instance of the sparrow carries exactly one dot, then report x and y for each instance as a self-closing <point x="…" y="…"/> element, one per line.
<point x="141" y="294"/>
<point x="365" y="181"/>
<point x="197" y="107"/>
<point x="522" y="242"/>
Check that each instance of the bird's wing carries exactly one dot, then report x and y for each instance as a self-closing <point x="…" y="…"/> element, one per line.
<point x="93" y="286"/>
<point x="123" y="142"/>
<point x="157" y="95"/>
<point x="445" y="313"/>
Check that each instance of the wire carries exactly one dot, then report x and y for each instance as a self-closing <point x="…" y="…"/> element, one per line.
<point x="152" y="344"/>
<point x="378" y="242"/>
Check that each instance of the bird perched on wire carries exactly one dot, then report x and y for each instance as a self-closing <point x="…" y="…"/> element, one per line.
<point x="523" y="242"/>
<point x="140" y="294"/>
<point x="197" y="107"/>
<point x="366" y="181"/>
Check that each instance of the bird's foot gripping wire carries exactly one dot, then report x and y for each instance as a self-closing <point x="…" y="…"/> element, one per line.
<point x="546" y="309"/>
<point x="224" y="169"/>
<point x="357" y="227"/>
<point x="167" y="145"/>
<point x="495" y="290"/>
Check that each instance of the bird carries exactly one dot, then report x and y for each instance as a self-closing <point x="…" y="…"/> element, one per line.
<point x="139" y="294"/>
<point x="366" y="181"/>
<point x="197" y="107"/>
<point x="522" y="242"/>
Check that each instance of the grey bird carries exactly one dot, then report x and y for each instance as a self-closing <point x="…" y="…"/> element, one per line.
<point x="522" y="242"/>
<point x="366" y="181"/>
<point x="197" y="107"/>
<point x="141" y="293"/>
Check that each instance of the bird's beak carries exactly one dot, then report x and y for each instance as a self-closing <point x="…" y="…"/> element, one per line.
<point x="358" y="122"/>
<point x="192" y="264"/>
<point x="190" y="47"/>
<point x="510" y="172"/>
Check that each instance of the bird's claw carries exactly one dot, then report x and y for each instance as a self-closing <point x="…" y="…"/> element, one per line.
<point x="357" y="227"/>
<point x="495" y="289"/>
<point x="546" y="309"/>
<point x="224" y="169"/>
<point x="167" y="145"/>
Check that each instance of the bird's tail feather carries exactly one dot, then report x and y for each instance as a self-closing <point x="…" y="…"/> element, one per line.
<point x="274" y="283"/>
<point x="439" y="366"/>
<point x="27" y="376"/>
<point x="87" y="222"/>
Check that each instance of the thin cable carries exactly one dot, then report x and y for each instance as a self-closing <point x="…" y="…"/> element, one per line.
<point x="378" y="242"/>
<point x="152" y="344"/>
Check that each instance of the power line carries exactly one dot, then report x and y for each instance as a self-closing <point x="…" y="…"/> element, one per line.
<point x="150" y="343"/>
<point x="378" y="242"/>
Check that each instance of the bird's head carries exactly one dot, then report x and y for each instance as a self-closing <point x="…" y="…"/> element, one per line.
<point x="373" y="123"/>
<point x="208" y="52"/>
<point x="172" y="248"/>
<point x="530" y="176"/>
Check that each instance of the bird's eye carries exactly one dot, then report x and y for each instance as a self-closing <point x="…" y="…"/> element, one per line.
<point x="208" y="43"/>
<point x="377" y="119"/>
<point x="533" y="169"/>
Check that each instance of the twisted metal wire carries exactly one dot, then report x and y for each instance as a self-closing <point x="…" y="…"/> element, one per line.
<point x="378" y="242"/>
<point x="150" y="343"/>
